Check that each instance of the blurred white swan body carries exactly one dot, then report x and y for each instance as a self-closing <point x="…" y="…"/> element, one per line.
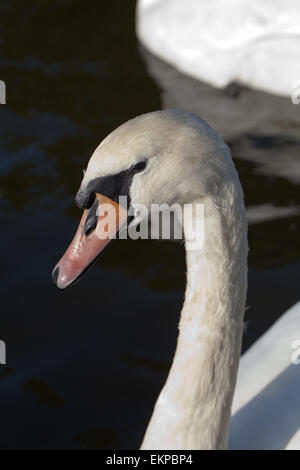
<point x="254" y="42"/>
<point x="266" y="405"/>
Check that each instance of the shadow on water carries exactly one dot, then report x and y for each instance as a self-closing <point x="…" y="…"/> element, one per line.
<point x="85" y="366"/>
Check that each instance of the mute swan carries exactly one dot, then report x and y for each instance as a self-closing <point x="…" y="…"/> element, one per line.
<point x="164" y="157"/>
<point x="254" y="42"/>
<point x="167" y="157"/>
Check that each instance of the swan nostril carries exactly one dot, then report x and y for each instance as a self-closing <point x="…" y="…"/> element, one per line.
<point x="91" y="220"/>
<point x="89" y="229"/>
<point x="55" y="275"/>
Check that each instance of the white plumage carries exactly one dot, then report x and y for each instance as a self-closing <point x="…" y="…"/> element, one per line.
<point x="187" y="162"/>
<point x="218" y="41"/>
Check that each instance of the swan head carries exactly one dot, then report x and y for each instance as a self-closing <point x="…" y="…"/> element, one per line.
<point x="164" y="157"/>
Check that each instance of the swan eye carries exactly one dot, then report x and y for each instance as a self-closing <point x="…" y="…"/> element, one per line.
<point x="140" y="166"/>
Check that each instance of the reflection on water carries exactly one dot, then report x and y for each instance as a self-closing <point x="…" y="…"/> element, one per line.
<point x="85" y="366"/>
<point x="262" y="131"/>
<point x="43" y="392"/>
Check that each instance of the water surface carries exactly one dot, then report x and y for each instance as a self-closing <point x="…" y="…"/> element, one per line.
<point x="85" y="366"/>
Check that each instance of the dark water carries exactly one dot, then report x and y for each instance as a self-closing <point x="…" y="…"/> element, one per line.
<point x="85" y="366"/>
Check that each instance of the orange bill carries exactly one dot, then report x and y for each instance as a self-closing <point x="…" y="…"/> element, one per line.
<point x="97" y="227"/>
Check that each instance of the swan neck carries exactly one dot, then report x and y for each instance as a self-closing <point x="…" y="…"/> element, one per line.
<point x="194" y="407"/>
